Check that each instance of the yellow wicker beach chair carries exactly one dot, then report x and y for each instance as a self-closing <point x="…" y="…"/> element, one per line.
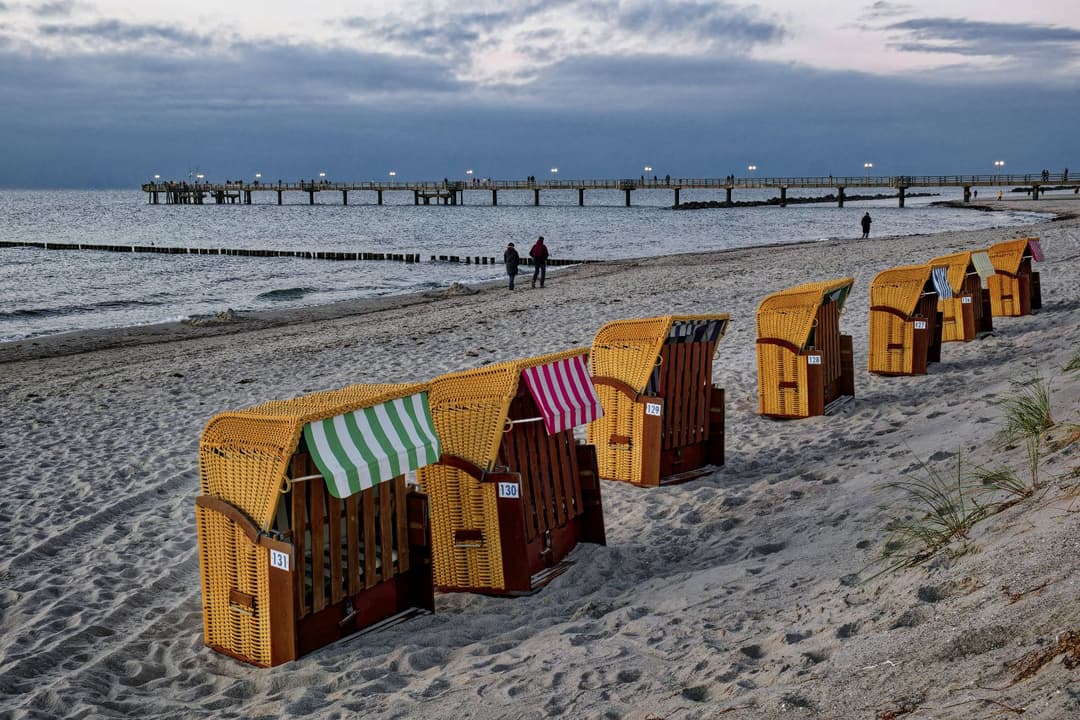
<point x="307" y="529"/>
<point x="663" y="418"/>
<point x="804" y="363"/>
<point x="513" y="493"/>
<point x="1015" y="289"/>
<point x="905" y="333"/>
<point x="964" y="305"/>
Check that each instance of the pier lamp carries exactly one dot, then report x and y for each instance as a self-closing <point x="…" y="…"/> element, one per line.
<point x="751" y="168"/>
<point x="322" y="177"/>
<point x="648" y="168"/>
<point x="156" y="178"/>
<point x="199" y="177"/>
<point x="868" y="166"/>
<point x="998" y="164"/>
<point x="554" y="173"/>
<point x="392" y="173"/>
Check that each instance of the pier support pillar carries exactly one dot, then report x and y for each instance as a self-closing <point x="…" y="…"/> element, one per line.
<point x="344" y="197"/>
<point x="627" y="191"/>
<point x="452" y="200"/>
<point x="967" y="193"/>
<point x="247" y="197"/>
<point x="536" y="196"/>
<point x="581" y="197"/>
<point x="676" y="197"/>
<point x="494" y="197"/>
<point x="728" y="191"/>
<point x="1034" y="192"/>
<point x="278" y="197"/>
<point x="901" y="195"/>
<point x="378" y="195"/>
<point x="311" y="197"/>
<point x="416" y="197"/>
<point x="154" y="195"/>
<point x="839" y="197"/>
<point x="783" y="197"/>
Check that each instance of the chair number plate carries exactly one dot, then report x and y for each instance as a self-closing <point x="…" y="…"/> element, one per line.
<point x="813" y="359"/>
<point x="279" y="560"/>
<point x="966" y="300"/>
<point x="920" y="324"/>
<point x="509" y="490"/>
<point x="652" y="409"/>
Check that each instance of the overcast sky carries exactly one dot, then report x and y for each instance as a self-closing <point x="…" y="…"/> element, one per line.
<point x="106" y="93"/>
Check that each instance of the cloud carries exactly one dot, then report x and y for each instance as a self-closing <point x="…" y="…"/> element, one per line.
<point x="513" y="43"/>
<point x="116" y="32"/>
<point x="715" y="22"/>
<point x="53" y="9"/>
<point x="971" y="38"/>
<point x="882" y="9"/>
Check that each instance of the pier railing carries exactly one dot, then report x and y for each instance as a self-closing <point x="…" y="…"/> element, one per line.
<point x="814" y="181"/>
<point x="452" y="192"/>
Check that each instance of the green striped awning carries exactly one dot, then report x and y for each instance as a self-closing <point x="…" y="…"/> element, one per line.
<point x="368" y="446"/>
<point x="982" y="263"/>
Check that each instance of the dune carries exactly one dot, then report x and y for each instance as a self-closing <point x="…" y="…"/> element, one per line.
<point x="755" y="591"/>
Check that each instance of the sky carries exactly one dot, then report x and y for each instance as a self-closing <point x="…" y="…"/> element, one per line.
<point x="109" y="93"/>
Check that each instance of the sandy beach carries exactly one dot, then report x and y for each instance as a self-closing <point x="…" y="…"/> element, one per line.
<point x="748" y="593"/>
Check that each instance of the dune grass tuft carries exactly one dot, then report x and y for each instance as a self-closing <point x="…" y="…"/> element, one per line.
<point x="1074" y="364"/>
<point x="937" y="511"/>
<point x="1027" y="418"/>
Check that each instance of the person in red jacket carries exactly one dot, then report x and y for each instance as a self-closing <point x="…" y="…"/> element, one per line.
<point x="539" y="254"/>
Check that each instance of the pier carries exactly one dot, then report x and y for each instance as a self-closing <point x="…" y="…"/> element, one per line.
<point x="454" y="192"/>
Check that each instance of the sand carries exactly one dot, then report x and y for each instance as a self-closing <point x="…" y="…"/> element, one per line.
<point x="744" y="594"/>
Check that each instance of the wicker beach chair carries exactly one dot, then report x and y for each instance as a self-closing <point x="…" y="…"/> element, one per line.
<point x="963" y="304"/>
<point x="804" y="363"/>
<point x="307" y="529"/>
<point x="663" y="418"/>
<point x="1015" y="289"/>
<point x="905" y="334"/>
<point x="514" y="492"/>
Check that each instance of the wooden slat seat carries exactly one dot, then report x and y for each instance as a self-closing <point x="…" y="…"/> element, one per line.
<point x="804" y="363"/>
<point x="1015" y="288"/>
<point x="509" y="501"/>
<point x="663" y="418"/>
<point x="905" y="334"/>
<point x="287" y="567"/>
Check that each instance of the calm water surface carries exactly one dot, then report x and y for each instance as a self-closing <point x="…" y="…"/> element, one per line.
<point x="51" y="291"/>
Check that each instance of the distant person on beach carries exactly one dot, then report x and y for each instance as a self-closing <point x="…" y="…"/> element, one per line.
<point x="539" y="254"/>
<point x="999" y="194"/>
<point x="511" y="259"/>
<point x="974" y="194"/>
<point x="866" y="225"/>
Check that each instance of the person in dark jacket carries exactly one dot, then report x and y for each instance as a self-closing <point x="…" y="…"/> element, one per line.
<point x="866" y="225"/>
<point x="511" y="260"/>
<point x="539" y="254"/>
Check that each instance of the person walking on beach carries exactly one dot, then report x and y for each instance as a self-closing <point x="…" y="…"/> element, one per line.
<point x="511" y="260"/>
<point x="539" y="254"/>
<point x="866" y="225"/>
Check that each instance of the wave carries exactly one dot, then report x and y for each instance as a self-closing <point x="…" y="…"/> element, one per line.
<point x="286" y="293"/>
<point x="44" y="312"/>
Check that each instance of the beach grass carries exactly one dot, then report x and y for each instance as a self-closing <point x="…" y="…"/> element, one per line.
<point x="937" y="510"/>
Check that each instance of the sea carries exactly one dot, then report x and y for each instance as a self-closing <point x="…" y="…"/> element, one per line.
<point x="46" y="292"/>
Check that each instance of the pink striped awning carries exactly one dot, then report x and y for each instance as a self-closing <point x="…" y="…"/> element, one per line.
<point x="564" y="392"/>
<point x="1036" y="250"/>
